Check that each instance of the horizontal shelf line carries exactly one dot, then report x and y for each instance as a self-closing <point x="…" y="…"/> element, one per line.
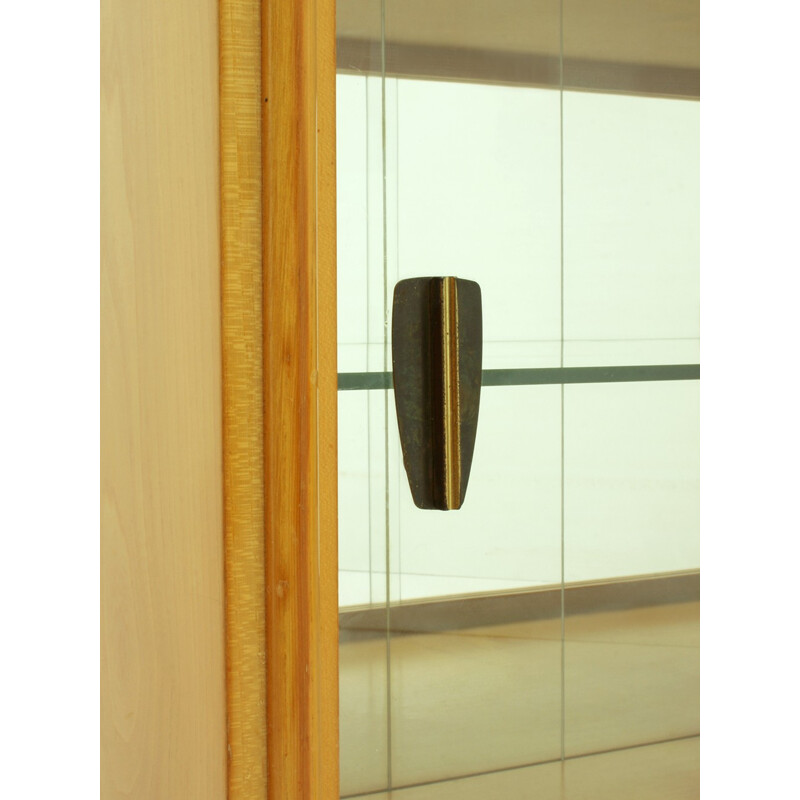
<point x="552" y="341"/>
<point x="355" y="381"/>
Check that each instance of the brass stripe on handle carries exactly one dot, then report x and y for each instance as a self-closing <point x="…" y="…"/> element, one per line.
<point x="451" y="415"/>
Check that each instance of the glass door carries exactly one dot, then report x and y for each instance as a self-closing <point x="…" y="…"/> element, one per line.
<point x="543" y="638"/>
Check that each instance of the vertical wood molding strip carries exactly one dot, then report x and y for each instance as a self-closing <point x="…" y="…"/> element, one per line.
<point x="300" y="398"/>
<point x="278" y="184"/>
<point x="243" y="399"/>
<point x="328" y="399"/>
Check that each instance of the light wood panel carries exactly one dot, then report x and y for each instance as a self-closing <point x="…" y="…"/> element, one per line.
<point x="327" y="443"/>
<point x="298" y="133"/>
<point x="243" y="395"/>
<point x="162" y="624"/>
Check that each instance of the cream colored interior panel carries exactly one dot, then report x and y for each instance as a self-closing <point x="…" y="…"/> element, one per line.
<point x="162" y="636"/>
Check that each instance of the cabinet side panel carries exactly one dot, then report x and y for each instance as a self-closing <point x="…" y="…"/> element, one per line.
<point x="162" y="602"/>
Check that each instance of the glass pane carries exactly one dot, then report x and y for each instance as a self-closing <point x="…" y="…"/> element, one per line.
<point x="549" y="152"/>
<point x="476" y="666"/>
<point x="473" y="189"/>
<point x="362" y="421"/>
<point x="631" y="461"/>
<point x="631" y="230"/>
<point x="475" y="595"/>
<point x="508" y="533"/>
<point x="359" y="186"/>
<point x="479" y="197"/>
<point x="631" y="561"/>
<point x="665" y="771"/>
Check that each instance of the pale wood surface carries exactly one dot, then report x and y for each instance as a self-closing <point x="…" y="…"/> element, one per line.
<point x="300" y="397"/>
<point x="328" y="400"/>
<point x="162" y="638"/>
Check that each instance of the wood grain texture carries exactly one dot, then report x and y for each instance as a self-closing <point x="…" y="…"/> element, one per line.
<point x="243" y="395"/>
<point x="300" y="398"/>
<point x="162" y="619"/>
<point x="328" y="402"/>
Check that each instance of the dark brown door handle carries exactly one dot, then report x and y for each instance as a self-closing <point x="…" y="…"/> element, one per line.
<point x="437" y="343"/>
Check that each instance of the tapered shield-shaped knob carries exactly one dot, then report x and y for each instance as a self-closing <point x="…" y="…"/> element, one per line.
<point x="436" y="360"/>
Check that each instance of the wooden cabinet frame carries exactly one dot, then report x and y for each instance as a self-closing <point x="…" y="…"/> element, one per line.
<point x="278" y="201"/>
<point x="219" y="613"/>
